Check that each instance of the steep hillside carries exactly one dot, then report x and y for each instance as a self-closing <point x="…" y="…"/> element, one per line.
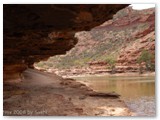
<point x="124" y="38"/>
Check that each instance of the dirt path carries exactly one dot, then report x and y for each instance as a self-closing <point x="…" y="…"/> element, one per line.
<point x="42" y="93"/>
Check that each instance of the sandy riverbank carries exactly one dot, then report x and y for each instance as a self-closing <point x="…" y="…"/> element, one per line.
<point x="108" y="74"/>
<point x="42" y="93"/>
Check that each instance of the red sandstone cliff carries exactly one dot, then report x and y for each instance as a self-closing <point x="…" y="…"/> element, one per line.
<point x="124" y="37"/>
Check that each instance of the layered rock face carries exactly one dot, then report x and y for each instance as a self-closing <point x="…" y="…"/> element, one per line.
<point x="124" y="37"/>
<point x="139" y="41"/>
<point x="36" y="32"/>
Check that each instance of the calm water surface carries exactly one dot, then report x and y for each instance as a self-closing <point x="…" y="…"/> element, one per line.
<point x="138" y="92"/>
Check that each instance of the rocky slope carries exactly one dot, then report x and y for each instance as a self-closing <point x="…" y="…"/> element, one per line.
<point x="34" y="32"/>
<point x="124" y="37"/>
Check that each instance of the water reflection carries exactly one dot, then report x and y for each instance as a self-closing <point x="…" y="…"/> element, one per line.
<point x="137" y="91"/>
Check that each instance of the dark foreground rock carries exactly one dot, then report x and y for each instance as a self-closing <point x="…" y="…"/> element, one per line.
<point x="34" y="32"/>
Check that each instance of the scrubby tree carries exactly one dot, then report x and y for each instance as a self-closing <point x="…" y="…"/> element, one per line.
<point x="111" y="61"/>
<point x="146" y="57"/>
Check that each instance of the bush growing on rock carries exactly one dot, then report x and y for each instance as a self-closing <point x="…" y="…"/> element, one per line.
<point x="111" y="61"/>
<point x="146" y="57"/>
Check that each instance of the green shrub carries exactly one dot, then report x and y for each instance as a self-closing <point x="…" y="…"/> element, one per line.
<point x="111" y="61"/>
<point x="147" y="58"/>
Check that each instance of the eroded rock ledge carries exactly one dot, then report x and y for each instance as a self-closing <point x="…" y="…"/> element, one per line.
<point x="45" y="94"/>
<point x="36" y="32"/>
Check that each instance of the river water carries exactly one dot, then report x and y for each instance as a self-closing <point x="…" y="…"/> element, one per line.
<point x="137" y="91"/>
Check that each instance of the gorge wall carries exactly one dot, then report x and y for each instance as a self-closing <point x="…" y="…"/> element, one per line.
<point x="36" y="32"/>
<point x="123" y="37"/>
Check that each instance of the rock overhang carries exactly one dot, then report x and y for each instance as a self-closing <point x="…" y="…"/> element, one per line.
<point x="34" y="32"/>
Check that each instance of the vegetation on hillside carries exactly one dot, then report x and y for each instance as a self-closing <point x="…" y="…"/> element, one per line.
<point x="100" y="43"/>
<point x="111" y="61"/>
<point x="147" y="58"/>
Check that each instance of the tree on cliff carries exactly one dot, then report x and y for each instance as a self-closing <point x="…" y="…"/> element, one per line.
<point x="146" y="57"/>
<point x="111" y="61"/>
